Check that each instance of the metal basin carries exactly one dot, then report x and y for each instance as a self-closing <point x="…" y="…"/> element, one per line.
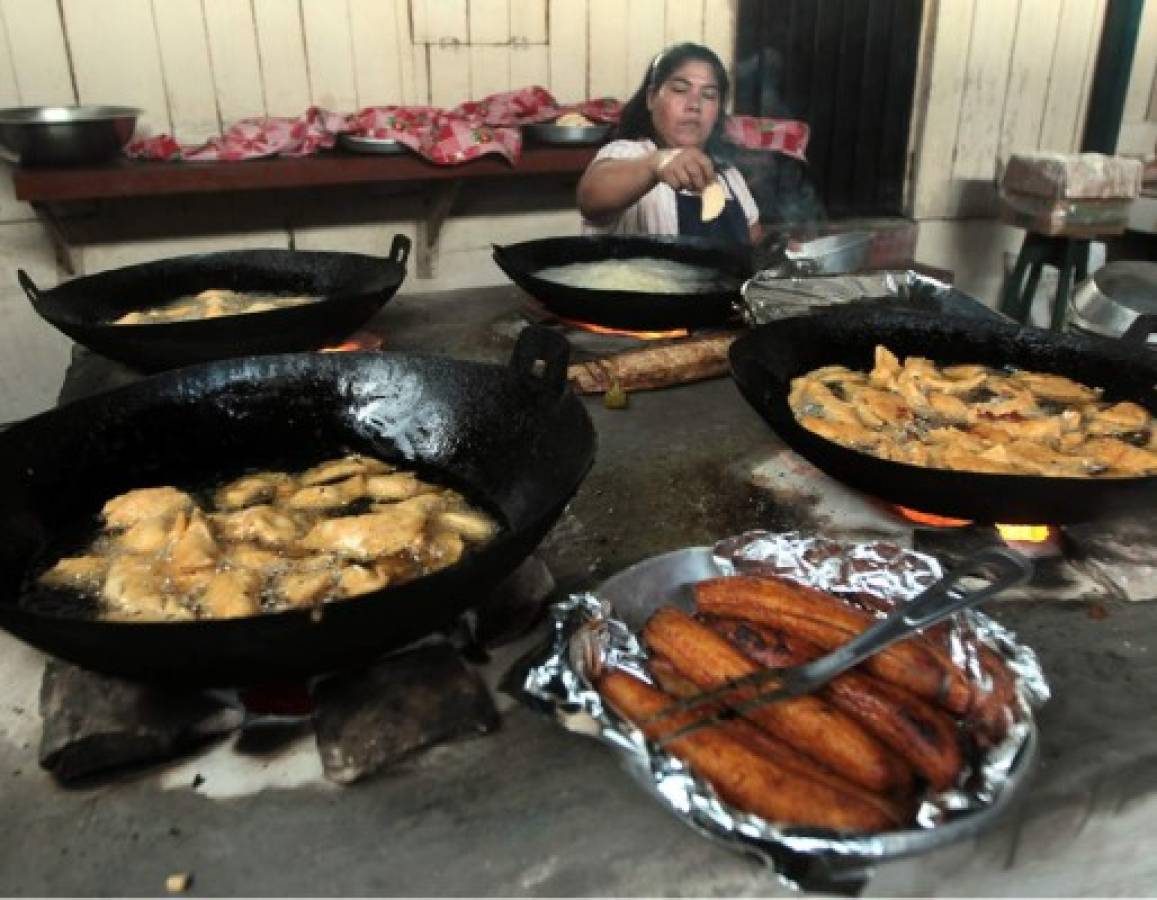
<point x="65" y="135"/>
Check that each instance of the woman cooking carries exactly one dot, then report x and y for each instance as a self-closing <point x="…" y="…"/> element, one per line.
<point x="661" y="175"/>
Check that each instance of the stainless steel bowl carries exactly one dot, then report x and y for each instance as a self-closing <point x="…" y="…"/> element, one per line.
<point x="836" y="254"/>
<point x="567" y="135"/>
<point x="1117" y="301"/>
<point x="65" y="135"/>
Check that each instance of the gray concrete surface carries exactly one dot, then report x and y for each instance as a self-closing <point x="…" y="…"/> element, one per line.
<point x="533" y="810"/>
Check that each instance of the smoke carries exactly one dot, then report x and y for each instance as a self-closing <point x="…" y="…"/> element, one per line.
<point x="784" y="187"/>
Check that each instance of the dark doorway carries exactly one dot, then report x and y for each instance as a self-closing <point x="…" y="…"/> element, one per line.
<point x="848" y="69"/>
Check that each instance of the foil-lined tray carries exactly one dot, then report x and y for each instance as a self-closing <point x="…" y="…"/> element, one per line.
<point x="779" y="293"/>
<point x="599" y="629"/>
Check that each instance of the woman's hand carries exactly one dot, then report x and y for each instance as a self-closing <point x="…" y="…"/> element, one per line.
<point x="683" y="168"/>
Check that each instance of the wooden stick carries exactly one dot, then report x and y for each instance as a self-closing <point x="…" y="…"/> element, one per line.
<point x="695" y="359"/>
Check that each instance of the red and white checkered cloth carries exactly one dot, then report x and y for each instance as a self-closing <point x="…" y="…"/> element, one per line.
<point x="444" y="137"/>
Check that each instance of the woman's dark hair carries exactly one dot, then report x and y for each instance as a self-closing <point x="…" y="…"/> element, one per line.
<point x="635" y="120"/>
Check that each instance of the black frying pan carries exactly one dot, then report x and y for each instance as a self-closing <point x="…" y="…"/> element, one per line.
<point x="513" y="438"/>
<point x="352" y="286"/>
<point x="767" y="358"/>
<point x="630" y="310"/>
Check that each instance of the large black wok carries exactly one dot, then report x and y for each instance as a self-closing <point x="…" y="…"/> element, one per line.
<point x="766" y="359"/>
<point x="352" y="287"/>
<point x="631" y="310"/>
<point x="513" y="438"/>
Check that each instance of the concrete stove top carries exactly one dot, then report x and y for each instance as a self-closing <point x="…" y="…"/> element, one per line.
<point x="532" y="810"/>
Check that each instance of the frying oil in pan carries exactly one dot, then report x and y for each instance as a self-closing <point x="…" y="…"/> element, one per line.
<point x="212" y="304"/>
<point x="264" y="541"/>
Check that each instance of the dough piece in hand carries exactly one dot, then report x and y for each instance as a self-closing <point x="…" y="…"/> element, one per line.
<point x="713" y="201"/>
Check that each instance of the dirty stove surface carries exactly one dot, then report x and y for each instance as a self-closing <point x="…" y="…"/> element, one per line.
<point x="525" y="809"/>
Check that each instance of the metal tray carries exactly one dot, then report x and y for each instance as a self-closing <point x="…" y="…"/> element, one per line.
<point x="807" y="858"/>
<point x="564" y="135"/>
<point x="361" y="144"/>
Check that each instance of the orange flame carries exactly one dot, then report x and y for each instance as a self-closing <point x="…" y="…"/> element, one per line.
<point x="359" y="340"/>
<point x="1025" y="534"/>
<point x="934" y="521"/>
<point x="641" y="335"/>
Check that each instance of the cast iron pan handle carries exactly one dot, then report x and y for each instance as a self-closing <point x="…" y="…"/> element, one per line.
<point x="1137" y="333"/>
<point x="540" y="359"/>
<point x="400" y="249"/>
<point x="29" y="286"/>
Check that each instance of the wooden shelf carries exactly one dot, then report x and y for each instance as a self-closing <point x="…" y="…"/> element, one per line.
<point x="133" y="178"/>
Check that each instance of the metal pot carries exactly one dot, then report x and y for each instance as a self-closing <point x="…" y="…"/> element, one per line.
<point x="1118" y="301"/>
<point x="66" y="135"/>
<point x="836" y="254"/>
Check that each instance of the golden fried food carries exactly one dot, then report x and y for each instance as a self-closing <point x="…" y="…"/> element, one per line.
<point x="977" y="419"/>
<point x="269" y="541"/>
<point x="742" y="776"/>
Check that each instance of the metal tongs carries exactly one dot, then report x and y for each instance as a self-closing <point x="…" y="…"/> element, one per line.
<point x="996" y="569"/>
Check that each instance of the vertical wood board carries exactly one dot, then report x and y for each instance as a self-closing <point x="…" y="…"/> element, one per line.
<point x="646" y="36"/>
<point x="440" y="21"/>
<point x="489" y="22"/>
<point x="719" y="23"/>
<point x="233" y="51"/>
<point x="1028" y="84"/>
<point x="281" y="55"/>
<point x="330" y="51"/>
<point x="377" y="52"/>
<point x="184" y="48"/>
<point x="567" y="20"/>
<point x="449" y="74"/>
<point x="529" y="66"/>
<point x="683" y="21"/>
<point x="1062" y="123"/>
<point x="528" y="21"/>
<point x="41" y="73"/>
<point x="489" y="71"/>
<point x="986" y="86"/>
<point x="130" y="76"/>
<point x="933" y="189"/>
<point x="608" y="39"/>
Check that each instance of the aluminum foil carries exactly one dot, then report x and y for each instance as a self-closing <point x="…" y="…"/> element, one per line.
<point x="589" y="631"/>
<point x="774" y="294"/>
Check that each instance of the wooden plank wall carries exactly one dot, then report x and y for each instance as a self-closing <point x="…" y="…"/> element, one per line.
<point x="196" y="66"/>
<point x="1000" y="76"/>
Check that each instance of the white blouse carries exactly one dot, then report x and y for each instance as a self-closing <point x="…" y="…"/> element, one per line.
<point x="657" y="211"/>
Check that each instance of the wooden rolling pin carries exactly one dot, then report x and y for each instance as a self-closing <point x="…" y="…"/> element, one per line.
<point x="694" y="359"/>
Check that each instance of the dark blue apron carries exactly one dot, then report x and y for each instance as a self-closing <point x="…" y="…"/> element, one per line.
<point x="729" y="226"/>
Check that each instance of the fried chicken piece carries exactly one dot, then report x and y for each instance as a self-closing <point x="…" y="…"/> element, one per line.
<point x="134" y="589"/>
<point x="1120" y="418"/>
<point x="1120" y="458"/>
<point x="231" y="594"/>
<point x="267" y="526"/>
<point x="391" y="529"/>
<point x="81" y="573"/>
<point x="397" y="486"/>
<point x="886" y="370"/>
<point x="1055" y="387"/>
<point x="848" y="434"/>
<point x="254" y="557"/>
<point x="470" y="525"/>
<point x="251" y="489"/>
<point x="135" y="506"/>
<point x="881" y="409"/>
<point x="147" y="536"/>
<point x="306" y="588"/>
<point x="333" y="495"/>
<point x="194" y="546"/>
<point x="441" y="550"/>
<point x="950" y="408"/>
<point x="355" y="579"/>
<point x="346" y="467"/>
